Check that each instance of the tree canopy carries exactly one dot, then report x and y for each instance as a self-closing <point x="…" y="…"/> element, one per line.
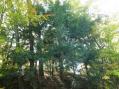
<point x="57" y="44"/>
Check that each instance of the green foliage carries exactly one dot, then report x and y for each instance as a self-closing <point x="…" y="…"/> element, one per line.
<point x="19" y="56"/>
<point x="59" y="39"/>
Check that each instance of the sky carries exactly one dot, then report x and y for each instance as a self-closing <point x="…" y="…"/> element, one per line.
<point x="107" y="7"/>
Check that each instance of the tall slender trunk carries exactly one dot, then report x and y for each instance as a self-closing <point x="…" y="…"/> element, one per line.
<point x="86" y="68"/>
<point x="37" y="71"/>
<point x="31" y="64"/>
<point x="31" y="37"/>
<point x="31" y="48"/>
<point x="20" y="78"/>
<point x="20" y="81"/>
<point x="61" y="67"/>
<point x="41" y="70"/>
<point x="31" y="45"/>
<point x="52" y="69"/>
<point x="17" y="37"/>
<point x="74" y="70"/>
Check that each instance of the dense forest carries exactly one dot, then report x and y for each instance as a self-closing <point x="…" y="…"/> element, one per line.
<point x="57" y="44"/>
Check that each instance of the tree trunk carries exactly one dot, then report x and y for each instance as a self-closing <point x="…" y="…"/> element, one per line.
<point x="17" y="37"/>
<point x="61" y="68"/>
<point x="20" y="80"/>
<point x="31" y="64"/>
<point x="31" y="43"/>
<point x="52" y="70"/>
<point x="74" y="70"/>
<point x="86" y="68"/>
<point x="41" y="70"/>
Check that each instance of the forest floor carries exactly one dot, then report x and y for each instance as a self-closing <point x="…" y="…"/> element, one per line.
<point x="48" y="82"/>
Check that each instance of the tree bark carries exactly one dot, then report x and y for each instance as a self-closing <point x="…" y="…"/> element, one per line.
<point x="86" y="68"/>
<point x="41" y="69"/>
<point x="61" y="68"/>
<point x="52" y="69"/>
<point x="31" y="44"/>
